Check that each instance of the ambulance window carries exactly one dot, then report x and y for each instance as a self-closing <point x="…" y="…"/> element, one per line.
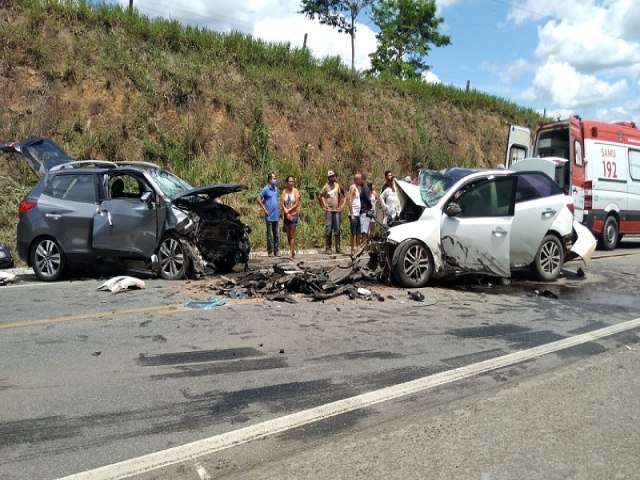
<point x="577" y="151"/>
<point x="517" y="152"/>
<point x="634" y="164"/>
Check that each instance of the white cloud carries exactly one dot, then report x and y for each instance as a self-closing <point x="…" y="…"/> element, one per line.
<point x="588" y="46"/>
<point x="587" y="53"/>
<point x="564" y="87"/>
<point x="430" y="77"/>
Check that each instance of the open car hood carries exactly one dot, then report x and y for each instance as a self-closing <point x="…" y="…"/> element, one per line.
<point x="408" y="192"/>
<point x="40" y="153"/>
<point x="213" y="191"/>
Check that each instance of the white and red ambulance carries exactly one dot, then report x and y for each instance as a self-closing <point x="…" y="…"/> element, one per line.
<point x="597" y="163"/>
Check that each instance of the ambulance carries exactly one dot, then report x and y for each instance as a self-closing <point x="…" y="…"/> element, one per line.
<point x="596" y="163"/>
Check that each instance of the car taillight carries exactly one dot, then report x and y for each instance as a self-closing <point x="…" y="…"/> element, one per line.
<point x="571" y="208"/>
<point x="25" y="205"/>
<point x="588" y="195"/>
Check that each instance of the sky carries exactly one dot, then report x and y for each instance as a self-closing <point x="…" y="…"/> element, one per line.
<point x="558" y="57"/>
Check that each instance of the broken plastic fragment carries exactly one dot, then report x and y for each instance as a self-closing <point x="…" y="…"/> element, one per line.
<point x="121" y="283"/>
<point x="206" y="304"/>
<point x="7" y="277"/>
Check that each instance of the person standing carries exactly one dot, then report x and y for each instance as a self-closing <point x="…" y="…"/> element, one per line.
<point x="290" y="206"/>
<point x="331" y="199"/>
<point x="388" y="180"/>
<point x="416" y="170"/>
<point x="268" y="200"/>
<point x="390" y="202"/>
<point x="374" y="203"/>
<point x="366" y="209"/>
<point x="354" y="212"/>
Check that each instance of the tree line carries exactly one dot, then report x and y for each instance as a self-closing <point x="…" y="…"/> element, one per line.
<point x="408" y="29"/>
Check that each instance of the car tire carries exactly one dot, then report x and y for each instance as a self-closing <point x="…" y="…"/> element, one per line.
<point x="224" y="265"/>
<point x="174" y="262"/>
<point x="610" y="233"/>
<point x="47" y="259"/>
<point x="414" y="264"/>
<point x="549" y="259"/>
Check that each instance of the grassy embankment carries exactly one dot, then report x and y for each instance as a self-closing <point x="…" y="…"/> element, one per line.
<point x="107" y="83"/>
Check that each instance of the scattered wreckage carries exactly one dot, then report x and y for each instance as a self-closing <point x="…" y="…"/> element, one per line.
<point x="281" y="281"/>
<point x="489" y="222"/>
<point x="84" y="211"/>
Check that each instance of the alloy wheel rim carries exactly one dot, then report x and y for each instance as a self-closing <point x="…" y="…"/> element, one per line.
<point x="550" y="257"/>
<point x="47" y="258"/>
<point x="416" y="262"/>
<point x="171" y="257"/>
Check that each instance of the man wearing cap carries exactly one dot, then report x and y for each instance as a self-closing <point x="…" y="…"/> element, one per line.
<point x="332" y="198"/>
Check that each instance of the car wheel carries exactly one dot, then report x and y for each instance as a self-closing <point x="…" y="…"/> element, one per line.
<point x="224" y="265"/>
<point x="549" y="259"/>
<point x="174" y="262"/>
<point x="609" y="236"/>
<point x="414" y="265"/>
<point x="48" y="260"/>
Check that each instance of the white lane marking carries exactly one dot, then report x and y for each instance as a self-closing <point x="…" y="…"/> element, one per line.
<point x="191" y="451"/>
<point x="202" y="473"/>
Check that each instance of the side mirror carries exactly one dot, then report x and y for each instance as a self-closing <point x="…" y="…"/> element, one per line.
<point x="452" y="209"/>
<point x="147" y="197"/>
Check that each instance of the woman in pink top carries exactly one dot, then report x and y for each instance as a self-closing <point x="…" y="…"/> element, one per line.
<point x="290" y="205"/>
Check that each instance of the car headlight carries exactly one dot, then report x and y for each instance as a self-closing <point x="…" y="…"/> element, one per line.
<point x="3" y="254"/>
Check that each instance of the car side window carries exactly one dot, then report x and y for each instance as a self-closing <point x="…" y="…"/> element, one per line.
<point x="126" y="186"/>
<point x="492" y="198"/>
<point x="72" y="187"/>
<point x="532" y="186"/>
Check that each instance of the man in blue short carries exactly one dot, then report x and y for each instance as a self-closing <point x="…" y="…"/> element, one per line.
<point x="268" y="200"/>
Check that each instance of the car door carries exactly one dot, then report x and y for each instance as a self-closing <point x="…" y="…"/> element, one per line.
<point x="126" y="225"/>
<point x="68" y="205"/>
<point x="477" y="238"/>
<point x="539" y="201"/>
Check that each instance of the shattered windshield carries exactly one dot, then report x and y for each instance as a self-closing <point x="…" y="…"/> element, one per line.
<point x="435" y="184"/>
<point x="169" y="184"/>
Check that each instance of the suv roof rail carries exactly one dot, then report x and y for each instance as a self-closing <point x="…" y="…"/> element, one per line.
<point x="81" y="163"/>
<point x="138" y="163"/>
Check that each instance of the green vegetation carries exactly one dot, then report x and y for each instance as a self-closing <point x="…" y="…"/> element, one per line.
<point x="104" y="82"/>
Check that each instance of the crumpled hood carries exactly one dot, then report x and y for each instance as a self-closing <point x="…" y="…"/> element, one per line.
<point x="409" y="191"/>
<point x="214" y="191"/>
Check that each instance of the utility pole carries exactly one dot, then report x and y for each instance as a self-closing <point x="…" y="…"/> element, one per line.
<point x="304" y="43"/>
<point x="130" y="5"/>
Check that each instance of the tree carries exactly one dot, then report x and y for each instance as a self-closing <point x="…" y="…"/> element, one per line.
<point x="340" y="14"/>
<point x="408" y="28"/>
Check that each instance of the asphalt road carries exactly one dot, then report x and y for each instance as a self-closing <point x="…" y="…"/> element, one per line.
<point x="88" y="379"/>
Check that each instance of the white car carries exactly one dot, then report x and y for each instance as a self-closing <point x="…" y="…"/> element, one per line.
<point x="492" y="222"/>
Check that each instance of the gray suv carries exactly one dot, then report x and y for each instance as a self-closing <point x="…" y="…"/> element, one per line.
<point x="81" y="212"/>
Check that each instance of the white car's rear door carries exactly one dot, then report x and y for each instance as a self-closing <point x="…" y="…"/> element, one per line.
<point x="539" y="202"/>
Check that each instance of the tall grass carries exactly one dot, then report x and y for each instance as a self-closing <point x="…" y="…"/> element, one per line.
<point x="206" y="105"/>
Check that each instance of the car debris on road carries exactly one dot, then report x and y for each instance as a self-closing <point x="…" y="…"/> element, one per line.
<point x="281" y="281"/>
<point x="7" y="277"/>
<point x="122" y="283"/>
